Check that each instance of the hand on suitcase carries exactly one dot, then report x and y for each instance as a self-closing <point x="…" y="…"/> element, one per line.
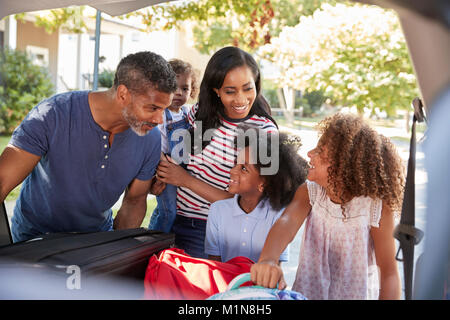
<point x="268" y="274"/>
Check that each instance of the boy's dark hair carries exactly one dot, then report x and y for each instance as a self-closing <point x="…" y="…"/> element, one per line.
<point x="210" y="107"/>
<point x="141" y="70"/>
<point x="183" y="67"/>
<point x="279" y="188"/>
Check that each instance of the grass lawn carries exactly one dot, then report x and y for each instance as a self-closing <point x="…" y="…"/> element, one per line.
<point x="4" y="141"/>
<point x="298" y="122"/>
<point x="15" y="192"/>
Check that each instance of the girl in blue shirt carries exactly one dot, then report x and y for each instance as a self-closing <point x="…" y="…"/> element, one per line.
<point x="239" y="226"/>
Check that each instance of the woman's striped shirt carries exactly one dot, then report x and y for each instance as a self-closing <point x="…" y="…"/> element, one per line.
<point x="214" y="163"/>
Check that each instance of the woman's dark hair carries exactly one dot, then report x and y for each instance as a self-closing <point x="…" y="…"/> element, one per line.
<point x="280" y="186"/>
<point x="210" y="107"/>
<point x="138" y="71"/>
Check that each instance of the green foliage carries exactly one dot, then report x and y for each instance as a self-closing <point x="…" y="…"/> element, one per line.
<point x="248" y="24"/>
<point x="315" y="98"/>
<point x="106" y="78"/>
<point x="71" y="19"/>
<point x="218" y="23"/>
<point x="269" y="91"/>
<point x="23" y="85"/>
<point x="356" y="54"/>
<point x="311" y="101"/>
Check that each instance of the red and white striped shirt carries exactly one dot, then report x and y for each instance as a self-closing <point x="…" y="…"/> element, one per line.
<point x="214" y="163"/>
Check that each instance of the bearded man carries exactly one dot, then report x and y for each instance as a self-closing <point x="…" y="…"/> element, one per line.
<point x="77" y="152"/>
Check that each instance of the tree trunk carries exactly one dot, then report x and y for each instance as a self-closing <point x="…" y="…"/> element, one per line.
<point x="407" y="124"/>
<point x="286" y="96"/>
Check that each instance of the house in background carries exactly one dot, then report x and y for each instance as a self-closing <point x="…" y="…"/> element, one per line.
<point x="70" y="57"/>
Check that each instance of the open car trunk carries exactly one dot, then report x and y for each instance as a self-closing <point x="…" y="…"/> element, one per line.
<point x="100" y="265"/>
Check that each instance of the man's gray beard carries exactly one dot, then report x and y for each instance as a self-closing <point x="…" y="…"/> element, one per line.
<point x="134" y="123"/>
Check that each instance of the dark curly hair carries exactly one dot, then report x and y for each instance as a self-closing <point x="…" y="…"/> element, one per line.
<point x="362" y="161"/>
<point x="183" y="67"/>
<point x="279" y="186"/>
<point x="138" y="71"/>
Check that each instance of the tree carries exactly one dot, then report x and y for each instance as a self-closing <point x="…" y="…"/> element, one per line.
<point x="22" y="85"/>
<point x="356" y="54"/>
<point x="248" y="24"/>
<point x="71" y="19"/>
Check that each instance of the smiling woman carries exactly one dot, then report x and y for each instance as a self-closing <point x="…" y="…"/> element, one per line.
<point x="237" y="92"/>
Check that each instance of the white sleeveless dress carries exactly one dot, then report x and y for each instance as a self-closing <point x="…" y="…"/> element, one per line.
<point x="337" y="257"/>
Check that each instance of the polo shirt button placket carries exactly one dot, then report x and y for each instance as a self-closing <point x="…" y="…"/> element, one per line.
<point x="245" y="237"/>
<point x="105" y="137"/>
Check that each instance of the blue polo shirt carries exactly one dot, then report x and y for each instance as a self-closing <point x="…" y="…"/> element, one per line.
<point x="79" y="176"/>
<point x="231" y="232"/>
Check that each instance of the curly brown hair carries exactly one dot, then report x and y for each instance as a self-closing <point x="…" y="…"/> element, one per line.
<point x="183" y="67"/>
<point x="362" y="161"/>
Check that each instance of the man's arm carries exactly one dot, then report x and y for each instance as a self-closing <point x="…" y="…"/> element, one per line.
<point x="15" y="165"/>
<point x="134" y="206"/>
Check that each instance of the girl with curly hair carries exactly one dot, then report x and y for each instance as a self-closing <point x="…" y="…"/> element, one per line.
<point x="354" y="188"/>
<point x="239" y="226"/>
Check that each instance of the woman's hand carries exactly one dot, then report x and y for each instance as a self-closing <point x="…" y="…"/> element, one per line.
<point x="268" y="274"/>
<point x="170" y="172"/>
<point x="156" y="186"/>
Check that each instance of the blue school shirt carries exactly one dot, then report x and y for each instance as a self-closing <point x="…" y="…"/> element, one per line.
<point x="230" y="232"/>
<point x="79" y="176"/>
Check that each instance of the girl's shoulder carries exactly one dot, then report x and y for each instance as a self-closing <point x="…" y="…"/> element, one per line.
<point x="224" y="204"/>
<point x="315" y="192"/>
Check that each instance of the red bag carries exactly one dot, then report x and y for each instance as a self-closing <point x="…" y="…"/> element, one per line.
<point x="177" y="276"/>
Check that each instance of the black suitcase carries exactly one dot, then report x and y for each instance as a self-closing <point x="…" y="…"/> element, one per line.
<point x="100" y="265"/>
